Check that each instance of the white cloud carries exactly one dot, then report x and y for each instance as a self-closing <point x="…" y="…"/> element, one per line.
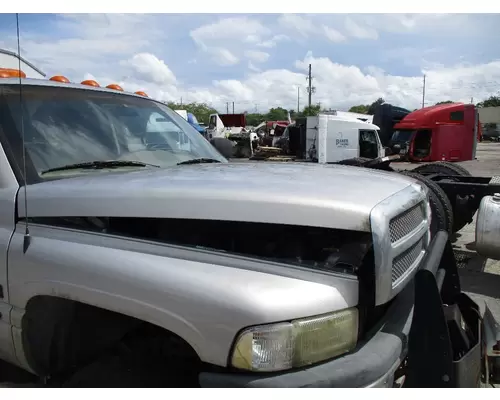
<point x="359" y="31"/>
<point x="89" y="40"/>
<point x="223" y="39"/>
<point x="333" y="34"/>
<point x="239" y="28"/>
<point x="252" y="67"/>
<point x="257" y="56"/>
<point x="149" y="68"/>
<point x="223" y="57"/>
<point x="306" y="27"/>
<point x="274" y="41"/>
<point x="297" y="23"/>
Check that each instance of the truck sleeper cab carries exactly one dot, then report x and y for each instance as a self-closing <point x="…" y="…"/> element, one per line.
<point x="213" y="273"/>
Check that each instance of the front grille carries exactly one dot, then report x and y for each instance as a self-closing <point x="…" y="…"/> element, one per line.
<point x="407" y="222"/>
<point x="405" y="261"/>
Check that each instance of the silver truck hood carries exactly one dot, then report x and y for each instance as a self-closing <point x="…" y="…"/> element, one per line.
<point x="300" y="194"/>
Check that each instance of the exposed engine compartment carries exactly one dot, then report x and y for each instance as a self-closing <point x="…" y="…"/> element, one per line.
<point x="310" y="247"/>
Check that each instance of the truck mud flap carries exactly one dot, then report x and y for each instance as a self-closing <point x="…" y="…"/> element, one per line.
<point x="444" y="345"/>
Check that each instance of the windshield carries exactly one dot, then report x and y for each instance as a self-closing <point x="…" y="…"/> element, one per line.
<point x="402" y="136"/>
<point x="65" y="126"/>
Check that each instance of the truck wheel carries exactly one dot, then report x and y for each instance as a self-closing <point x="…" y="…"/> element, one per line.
<point x="444" y="168"/>
<point x="442" y="215"/>
<point x="461" y="213"/>
<point x="224" y="146"/>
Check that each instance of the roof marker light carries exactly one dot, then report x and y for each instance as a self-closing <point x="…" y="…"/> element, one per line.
<point x="114" y="86"/>
<point x="141" y="93"/>
<point x="59" y="78"/>
<point x="11" y="73"/>
<point x="90" y="82"/>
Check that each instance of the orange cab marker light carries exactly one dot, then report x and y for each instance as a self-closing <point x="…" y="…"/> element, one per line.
<point x="59" y="78"/>
<point x="90" y="82"/>
<point x="11" y="73"/>
<point x="141" y="93"/>
<point x="114" y="86"/>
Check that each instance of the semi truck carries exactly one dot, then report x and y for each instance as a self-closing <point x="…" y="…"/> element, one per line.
<point x="130" y="262"/>
<point x="444" y="132"/>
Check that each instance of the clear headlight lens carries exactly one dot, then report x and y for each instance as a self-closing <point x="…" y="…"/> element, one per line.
<point x="298" y="343"/>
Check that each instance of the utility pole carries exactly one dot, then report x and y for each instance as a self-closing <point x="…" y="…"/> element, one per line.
<point x="472" y="100"/>
<point x="227" y="107"/>
<point x="298" y="99"/>
<point x="181" y="101"/>
<point x="310" y="89"/>
<point x="423" y="94"/>
<point x="233" y="107"/>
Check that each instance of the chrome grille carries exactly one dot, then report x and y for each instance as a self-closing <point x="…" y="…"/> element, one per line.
<point x="406" y="260"/>
<point x="407" y="222"/>
<point x="400" y="229"/>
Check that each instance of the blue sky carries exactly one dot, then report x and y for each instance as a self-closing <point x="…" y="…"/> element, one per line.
<point x="260" y="60"/>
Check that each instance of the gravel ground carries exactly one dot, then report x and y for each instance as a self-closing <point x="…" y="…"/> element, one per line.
<point x="480" y="277"/>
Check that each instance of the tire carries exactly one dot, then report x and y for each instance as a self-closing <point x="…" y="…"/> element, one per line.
<point x="443" y="167"/>
<point x="462" y="214"/>
<point x="223" y="146"/>
<point x="441" y="211"/>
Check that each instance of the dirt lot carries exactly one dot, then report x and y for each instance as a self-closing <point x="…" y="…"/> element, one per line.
<point x="480" y="276"/>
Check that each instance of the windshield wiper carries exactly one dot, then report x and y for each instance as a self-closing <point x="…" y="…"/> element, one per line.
<point x="199" y="161"/>
<point x="100" y="165"/>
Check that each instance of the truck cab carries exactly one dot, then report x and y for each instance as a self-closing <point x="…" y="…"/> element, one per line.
<point x="328" y="138"/>
<point x="223" y="125"/>
<point x="444" y="132"/>
<point x="131" y="261"/>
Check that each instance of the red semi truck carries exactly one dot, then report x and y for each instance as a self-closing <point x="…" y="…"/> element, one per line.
<point x="445" y="132"/>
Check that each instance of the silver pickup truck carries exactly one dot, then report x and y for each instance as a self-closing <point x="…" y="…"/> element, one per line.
<point x="136" y="255"/>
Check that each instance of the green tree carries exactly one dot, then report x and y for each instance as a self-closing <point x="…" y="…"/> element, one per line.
<point x="360" y="109"/>
<point x="277" y="114"/>
<point x="374" y="105"/>
<point x="444" y="102"/>
<point x="201" y="111"/>
<point x="310" y="111"/>
<point x="254" y="119"/>
<point x="492" y="101"/>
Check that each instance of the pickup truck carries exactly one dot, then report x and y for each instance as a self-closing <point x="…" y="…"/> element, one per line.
<point x="136" y="255"/>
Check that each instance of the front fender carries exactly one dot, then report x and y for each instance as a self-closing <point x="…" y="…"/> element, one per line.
<point x="202" y="301"/>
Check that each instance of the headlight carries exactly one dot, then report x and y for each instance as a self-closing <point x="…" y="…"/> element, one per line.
<point x="298" y="343"/>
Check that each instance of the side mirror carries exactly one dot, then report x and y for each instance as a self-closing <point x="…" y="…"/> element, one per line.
<point x="396" y="149"/>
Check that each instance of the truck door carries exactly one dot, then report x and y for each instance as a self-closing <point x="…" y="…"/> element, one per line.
<point x="368" y="143"/>
<point x="9" y="187"/>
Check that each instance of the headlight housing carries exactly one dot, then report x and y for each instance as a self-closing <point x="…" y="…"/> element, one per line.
<point x="294" y="344"/>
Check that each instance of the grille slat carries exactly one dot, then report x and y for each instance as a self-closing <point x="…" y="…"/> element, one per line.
<point x="407" y="222"/>
<point x="404" y="261"/>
